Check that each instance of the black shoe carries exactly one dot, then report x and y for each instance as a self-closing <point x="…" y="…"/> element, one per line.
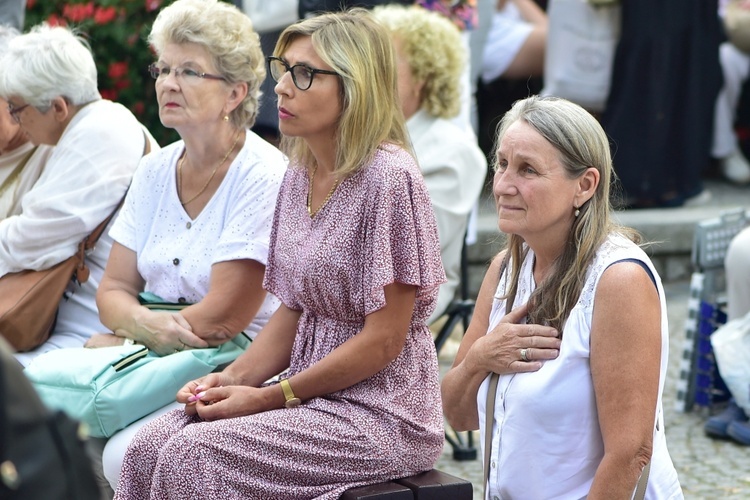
<point x="740" y="432"/>
<point x="717" y="425"/>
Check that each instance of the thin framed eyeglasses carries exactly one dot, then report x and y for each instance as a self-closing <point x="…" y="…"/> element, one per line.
<point x="186" y="74"/>
<point x="15" y="111"/>
<point x="302" y="75"/>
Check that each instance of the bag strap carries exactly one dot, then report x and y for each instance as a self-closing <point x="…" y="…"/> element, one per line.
<point x="640" y="490"/>
<point x="489" y="410"/>
<point x="82" y="272"/>
<point x="17" y="171"/>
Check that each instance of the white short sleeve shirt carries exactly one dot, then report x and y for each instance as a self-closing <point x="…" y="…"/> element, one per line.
<point x="175" y="252"/>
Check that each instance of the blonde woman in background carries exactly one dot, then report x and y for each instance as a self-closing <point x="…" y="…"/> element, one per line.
<point x="430" y="61"/>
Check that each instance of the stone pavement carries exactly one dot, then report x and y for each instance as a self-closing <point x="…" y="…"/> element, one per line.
<point x="708" y="469"/>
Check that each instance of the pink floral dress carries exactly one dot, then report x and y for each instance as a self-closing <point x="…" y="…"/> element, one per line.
<point x="377" y="228"/>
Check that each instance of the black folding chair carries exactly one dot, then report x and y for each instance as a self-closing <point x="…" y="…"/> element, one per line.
<point x="459" y="310"/>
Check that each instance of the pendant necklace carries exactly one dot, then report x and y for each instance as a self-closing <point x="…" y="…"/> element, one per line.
<point x="213" y="173"/>
<point x="310" y="211"/>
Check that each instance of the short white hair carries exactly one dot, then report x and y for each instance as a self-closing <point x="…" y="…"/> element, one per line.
<point x="46" y="63"/>
<point x="7" y="33"/>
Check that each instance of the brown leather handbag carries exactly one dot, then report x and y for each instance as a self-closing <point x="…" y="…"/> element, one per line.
<point x="29" y="299"/>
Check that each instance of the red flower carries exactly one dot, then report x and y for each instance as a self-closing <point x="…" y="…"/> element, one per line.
<point x="138" y="108"/>
<point x="78" y="12"/>
<point x="152" y="5"/>
<point x="117" y="70"/>
<point x="30" y="4"/>
<point x="104" y="15"/>
<point x="108" y="94"/>
<point x="122" y="84"/>
<point x="55" y="20"/>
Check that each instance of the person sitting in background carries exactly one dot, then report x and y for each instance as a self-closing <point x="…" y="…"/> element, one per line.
<point x="214" y="192"/>
<point x="733" y="421"/>
<point x="661" y="127"/>
<point x="568" y="268"/>
<point x="430" y="61"/>
<point x="21" y="162"/>
<point x="516" y="41"/>
<point x="355" y="260"/>
<point x="735" y="67"/>
<point x="464" y="14"/>
<point x="50" y="83"/>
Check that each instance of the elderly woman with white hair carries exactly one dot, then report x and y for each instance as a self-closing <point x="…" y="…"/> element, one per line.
<point x="430" y="61"/>
<point x="21" y="161"/>
<point x="49" y="81"/>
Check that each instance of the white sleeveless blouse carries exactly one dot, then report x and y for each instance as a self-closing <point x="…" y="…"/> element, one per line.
<point x="546" y="440"/>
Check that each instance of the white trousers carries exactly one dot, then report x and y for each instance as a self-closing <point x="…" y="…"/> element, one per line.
<point x="114" y="450"/>
<point x="735" y="66"/>
<point x="737" y="265"/>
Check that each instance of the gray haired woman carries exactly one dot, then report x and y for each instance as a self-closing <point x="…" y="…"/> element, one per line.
<point x="580" y="376"/>
<point x="49" y="82"/>
<point x="215" y="192"/>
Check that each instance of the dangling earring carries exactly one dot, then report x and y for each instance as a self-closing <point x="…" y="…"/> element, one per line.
<point x="577" y="212"/>
<point x="226" y="118"/>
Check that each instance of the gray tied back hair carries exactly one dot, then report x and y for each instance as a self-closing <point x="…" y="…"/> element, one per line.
<point x="581" y="144"/>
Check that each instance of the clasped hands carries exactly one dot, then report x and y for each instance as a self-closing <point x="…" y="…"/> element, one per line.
<point x="161" y="331"/>
<point x="218" y="396"/>
<point x="512" y="346"/>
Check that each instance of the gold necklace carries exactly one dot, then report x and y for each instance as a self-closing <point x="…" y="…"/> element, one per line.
<point x="310" y="190"/>
<point x="213" y="173"/>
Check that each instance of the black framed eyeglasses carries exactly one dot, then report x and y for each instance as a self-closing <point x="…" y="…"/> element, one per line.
<point x="14" y="112"/>
<point x="185" y="74"/>
<point x="302" y="75"/>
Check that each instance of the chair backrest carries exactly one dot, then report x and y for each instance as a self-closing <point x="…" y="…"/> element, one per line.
<point x="712" y="237"/>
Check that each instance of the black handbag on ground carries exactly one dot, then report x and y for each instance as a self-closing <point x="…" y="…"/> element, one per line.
<point x="42" y="454"/>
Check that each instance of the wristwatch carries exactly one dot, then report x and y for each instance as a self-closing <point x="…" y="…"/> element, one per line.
<point x="292" y="401"/>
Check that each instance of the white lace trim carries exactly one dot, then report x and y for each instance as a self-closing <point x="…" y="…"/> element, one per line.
<point x="615" y="247"/>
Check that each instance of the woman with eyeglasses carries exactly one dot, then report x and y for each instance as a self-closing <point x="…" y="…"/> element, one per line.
<point x="49" y="82"/>
<point x="355" y="261"/>
<point x="196" y="223"/>
<point x="21" y="161"/>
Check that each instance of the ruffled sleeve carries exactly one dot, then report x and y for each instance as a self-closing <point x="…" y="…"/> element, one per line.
<point x="400" y="241"/>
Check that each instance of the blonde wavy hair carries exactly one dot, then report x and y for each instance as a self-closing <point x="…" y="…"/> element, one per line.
<point x="228" y="36"/>
<point x="355" y="46"/>
<point x="582" y="144"/>
<point x="435" y="52"/>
